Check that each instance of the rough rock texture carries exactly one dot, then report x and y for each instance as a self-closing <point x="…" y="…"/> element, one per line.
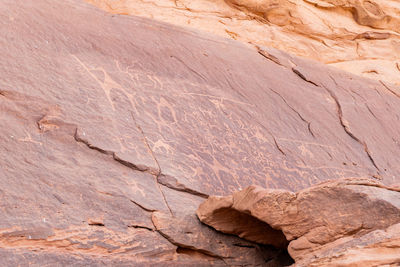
<point x="378" y="248"/>
<point x="115" y="128"/>
<point x="359" y="36"/>
<point x="335" y="223"/>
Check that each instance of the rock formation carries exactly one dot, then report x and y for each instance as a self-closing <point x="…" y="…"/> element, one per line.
<point x="348" y="222"/>
<point x="359" y="36"/>
<point x="115" y="128"/>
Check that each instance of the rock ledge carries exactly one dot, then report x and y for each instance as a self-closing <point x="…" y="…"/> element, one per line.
<point x="347" y="221"/>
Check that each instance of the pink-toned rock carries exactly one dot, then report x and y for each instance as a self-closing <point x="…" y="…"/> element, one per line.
<point x="322" y="220"/>
<point x="377" y="248"/>
<point x="362" y="37"/>
<point x="108" y="122"/>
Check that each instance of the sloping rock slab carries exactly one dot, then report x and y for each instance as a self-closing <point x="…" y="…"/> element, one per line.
<point x="107" y="119"/>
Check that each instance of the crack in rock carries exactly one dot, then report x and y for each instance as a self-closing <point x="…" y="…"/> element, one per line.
<point x="181" y="245"/>
<point x="389" y="89"/>
<point x="142" y="207"/>
<point x="342" y="121"/>
<point x="174" y="184"/>
<point x="346" y="128"/>
<point x="140" y="227"/>
<point x="268" y="56"/>
<point x="295" y="111"/>
<point x="301" y="75"/>
<point x="113" y="154"/>
<point x="125" y="163"/>
<point x="165" y="179"/>
<point x="155" y="159"/>
<point x="278" y="147"/>
<point x="189" y="68"/>
<point x="141" y="168"/>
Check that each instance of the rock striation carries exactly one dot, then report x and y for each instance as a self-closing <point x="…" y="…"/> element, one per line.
<point x="359" y="36"/>
<point x="115" y="128"/>
<point x="347" y="222"/>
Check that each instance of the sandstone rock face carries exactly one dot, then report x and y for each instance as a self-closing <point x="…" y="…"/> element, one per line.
<point x="115" y="128"/>
<point x="349" y="222"/>
<point x="359" y="36"/>
<point x="378" y="248"/>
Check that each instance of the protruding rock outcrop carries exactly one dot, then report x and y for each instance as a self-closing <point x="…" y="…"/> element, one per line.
<point x="325" y="224"/>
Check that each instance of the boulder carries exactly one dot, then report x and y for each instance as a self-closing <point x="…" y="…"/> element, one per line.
<point x="321" y="222"/>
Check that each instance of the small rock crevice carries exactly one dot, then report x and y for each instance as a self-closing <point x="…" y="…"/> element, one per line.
<point x="301" y="75"/>
<point x="193" y="253"/>
<point x="142" y="207"/>
<point x="189" y="68"/>
<point x="389" y="89"/>
<point x="174" y="184"/>
<point x="96" y="224"/>
<point x="188" y="247"/>
<point x="141" y="227"/>
<point x="278" y="147"/>
<point x="308" y="123"/>
<point x="113" y="154"/>
<point x="269" y="56"/>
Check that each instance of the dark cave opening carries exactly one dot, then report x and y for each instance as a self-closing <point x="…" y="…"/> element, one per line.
<point x="276" y="257"/>
<point x="272" y="242"/>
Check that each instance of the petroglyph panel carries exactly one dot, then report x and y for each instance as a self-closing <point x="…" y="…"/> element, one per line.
<point x="103" y="117"/>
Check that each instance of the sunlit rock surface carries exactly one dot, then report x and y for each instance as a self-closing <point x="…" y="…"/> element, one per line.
<point x="115" y="128"/>
<point x="348" y="222"/>
<point x="359" y="36"/>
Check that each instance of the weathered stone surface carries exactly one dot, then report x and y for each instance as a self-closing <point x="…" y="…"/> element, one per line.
<point x="377" y="248"/>
<point x="320" y="222"/>
<point x="359" y="36"/>
<point x="107" y="119"/>
<point x="192" y="235"/>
